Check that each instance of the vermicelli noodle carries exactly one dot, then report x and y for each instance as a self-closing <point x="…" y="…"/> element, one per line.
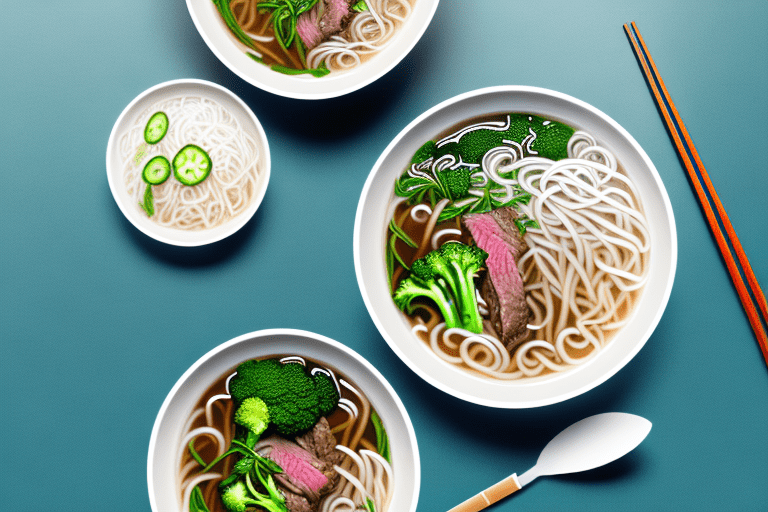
<point x="233" y="183"/>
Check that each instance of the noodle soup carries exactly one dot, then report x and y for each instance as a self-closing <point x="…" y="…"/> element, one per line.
<point x="518" y="246"/>
<point x="188" y="162"/>
<point x="313" y="37"/>
<point x="337" y="460"/>
<point x="342" y="436"/>
<point x="235" y="159"/>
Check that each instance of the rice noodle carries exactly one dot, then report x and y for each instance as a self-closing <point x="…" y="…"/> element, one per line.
<point x="368" y="33"/>
<point x="233" y="182"/>
<point x="582" y="268"/>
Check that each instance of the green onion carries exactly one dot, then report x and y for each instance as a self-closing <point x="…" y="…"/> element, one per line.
<point x="196" y="501"/>
<point x="149" y="202"/>
<point x="194" y="454"/>
<point x="392" y="248"/>
<point x="191" y="165"/>
<point x="156" y="128"/>
<point x="382" y="440"/>
<point x="317" y="72"/>
<point x="402" y="235"/>
<point x="157" y="170"/>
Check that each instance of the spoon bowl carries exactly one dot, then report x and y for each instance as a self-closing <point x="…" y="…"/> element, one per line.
<point x="587" y="444"/>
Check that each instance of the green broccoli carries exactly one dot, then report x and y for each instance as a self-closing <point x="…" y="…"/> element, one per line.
<point x="433" y="288"/>
<point x="551" y="140"/>
<point x="446" y="276"/>
<point x="456" y="182"/>
<point x="424" y="152"/>
<point x="253" y="415"/>
<point x="237" y="498"/>
<point x="295" y="399"/>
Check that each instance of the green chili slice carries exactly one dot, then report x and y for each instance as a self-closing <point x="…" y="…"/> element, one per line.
<point x="191" y="165"/>
<point x="156" y="128"/>
<point x="157" y="170"/>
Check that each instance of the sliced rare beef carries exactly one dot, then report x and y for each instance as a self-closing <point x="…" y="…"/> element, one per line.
<point x="307" y="464"/>
<point x="502" y="288"/>
<point x="321" y="443"/>
<point x="303" y="473"/>
<point x="326" y="18"/>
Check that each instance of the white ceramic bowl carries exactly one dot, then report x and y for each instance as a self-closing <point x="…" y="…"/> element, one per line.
<point x="224" y="45"/>
<point x="127" y="119"/>
<point x="180" y="402"/>
<point x="372" y="219"/>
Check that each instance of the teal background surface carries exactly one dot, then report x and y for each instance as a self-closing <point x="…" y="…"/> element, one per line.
<point x="92" y="340"/>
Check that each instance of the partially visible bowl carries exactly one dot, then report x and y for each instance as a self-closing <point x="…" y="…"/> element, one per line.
<point x="225" y="46"/>
<point x="128" y="118"/>
<point x="374" y="211"/>
<point x="164" y="444"/>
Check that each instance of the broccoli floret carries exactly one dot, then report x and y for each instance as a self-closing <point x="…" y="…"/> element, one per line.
<point x="295" y="399"/>
<point x="456" y="182"/>
<point x="237" y="498"/>
<point x="463" y="262"/>
<point x="435" y="289"/>
<point x="253" y="415"/>
<point x="424" y="152"/>
<point x="551" y="138"/>
<point x="446" y="276"/>
<point x="457" y="264"/>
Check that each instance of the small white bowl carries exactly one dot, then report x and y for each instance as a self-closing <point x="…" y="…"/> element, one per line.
<point x="306" y="87"/>
<point x="128" y="118"/>
<point x="178" y="405"/>
<point x="370" y="238"/>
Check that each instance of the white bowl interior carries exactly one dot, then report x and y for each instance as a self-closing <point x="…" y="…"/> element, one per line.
<point x="224" y="45"/>
<point x="167" y="433"/>
<point x="374" y="211"/>
<point x="128" y="118"/>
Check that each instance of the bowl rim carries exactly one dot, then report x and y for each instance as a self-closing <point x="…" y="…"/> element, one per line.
<point x="235" y="224"/>
<point x="413" y="365"/>
<point x="310" y="95"/>
<point x="153" y="440"/>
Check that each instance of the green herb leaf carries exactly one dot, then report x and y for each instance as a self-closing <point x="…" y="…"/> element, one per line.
<point x="392" y="248"/>
<point x="196" y="501"/>
<point x="318" y="72"/>
<point x="244" y="465"/>
<point x="360" y="6"/>
<point x="149" y="202"/>
<point x="382" y="439"/>
<point x="192" y="451"/>
<point x="369" y="505"/>
<point x="402" y="235"/>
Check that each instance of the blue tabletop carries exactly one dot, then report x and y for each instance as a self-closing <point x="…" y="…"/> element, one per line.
<point x="88" y="354"/>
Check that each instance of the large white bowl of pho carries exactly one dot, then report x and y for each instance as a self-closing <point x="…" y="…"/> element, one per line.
<point x="188" y="162"/>
<point x="515" y="246"/>
<point x="311" y="49"/>
<point x="285" y="420"/>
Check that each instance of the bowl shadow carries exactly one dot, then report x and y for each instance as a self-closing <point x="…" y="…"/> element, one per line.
<point x="216" y="253"/>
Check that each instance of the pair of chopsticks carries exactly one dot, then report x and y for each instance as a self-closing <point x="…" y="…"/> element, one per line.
<point x="747" y="287"/>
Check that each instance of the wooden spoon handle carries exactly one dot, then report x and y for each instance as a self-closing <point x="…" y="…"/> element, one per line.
<point x="489" y="496"/>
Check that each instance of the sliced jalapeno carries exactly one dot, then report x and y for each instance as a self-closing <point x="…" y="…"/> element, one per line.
<point x="156" y="128"/>
<point x="157" y="170"/>
<point x="191" y="165"/>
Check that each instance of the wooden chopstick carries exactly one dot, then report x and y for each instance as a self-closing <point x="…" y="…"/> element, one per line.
<point x="750" y="293"/>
